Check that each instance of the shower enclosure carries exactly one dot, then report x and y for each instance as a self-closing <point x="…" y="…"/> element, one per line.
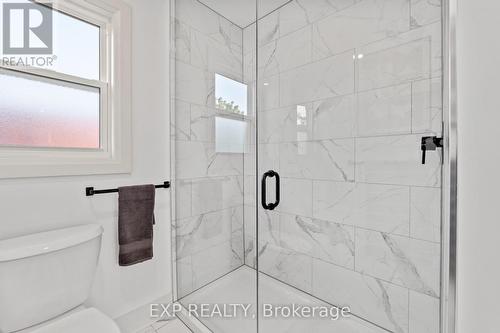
<point x="311" y="162"/>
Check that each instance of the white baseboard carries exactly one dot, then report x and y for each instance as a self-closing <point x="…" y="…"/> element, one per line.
<point x="139" y="318"/>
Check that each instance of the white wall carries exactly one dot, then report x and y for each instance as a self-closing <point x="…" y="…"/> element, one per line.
<point x="33" y="205"/>
<point x="479" y="161"/>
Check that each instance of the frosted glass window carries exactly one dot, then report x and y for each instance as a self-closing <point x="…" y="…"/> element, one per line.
<point x="230" y="95"/>
<point x="76" y="46"/>
<point x="230" y="135"/>
<point x="36" y="112"/>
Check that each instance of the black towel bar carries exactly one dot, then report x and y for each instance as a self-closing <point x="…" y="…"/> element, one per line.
<point x="89" y="191"/>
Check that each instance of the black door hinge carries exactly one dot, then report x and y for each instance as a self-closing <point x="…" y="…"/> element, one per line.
<point x="430" y="143"/>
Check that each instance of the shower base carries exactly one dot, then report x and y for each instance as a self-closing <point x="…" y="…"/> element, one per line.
<point x="239" y="287"/>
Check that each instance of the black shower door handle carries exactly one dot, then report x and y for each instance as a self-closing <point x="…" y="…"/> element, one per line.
<point x="270" y="174"/>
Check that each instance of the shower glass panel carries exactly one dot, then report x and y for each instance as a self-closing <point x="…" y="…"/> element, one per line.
<point x="346" y="92"/>
<point x="298" y="178"/>
<point x="212" y="117"/>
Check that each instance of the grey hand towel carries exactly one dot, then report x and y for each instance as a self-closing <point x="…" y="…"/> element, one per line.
<point x="135" y="223"/>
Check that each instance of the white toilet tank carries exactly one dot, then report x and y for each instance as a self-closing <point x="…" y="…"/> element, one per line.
<point x="45" y="275"/>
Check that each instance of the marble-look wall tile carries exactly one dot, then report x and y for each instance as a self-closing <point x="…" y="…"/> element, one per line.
<point x="194" y="85"/>
<point x="294" y="16"/>
<point x="425" y="214"/>
<point x="269" y="224"/>
<point x="249" y="190"/>
<point x="249" y="68"/>
<point x="424" y="313"/>
<point x="269" y="93"/>
<point x="296" y="196"/>
<point x="365" y="22"/>
<point x="213" y="56"/>
<point x="214" y="262"/>
<point x="379" y="302"/>
<point x="212" y="194"/>
<point x="269" y="28"/>
<point x="208" y="194"/>
<point x="427" y="106"/>
<point x="237" y="222"/>
<point x="385" y="111"/>
<point x="183" y="192"/>
<point x="334" y="118"/>
<point x="300" y="13"/>
<point x="191" y="159"/>
<point x="209" y="186"/>
<point x="205" y="20"/>
<point x="268" y="159"/>
<point x="199" y="159"/>
<point x="378" y="207"/>
<point x="289" y="124"/>
<point x="224" y="164"/>
<point x="286" y="52"/>
<point x="396" y="160"/>
<point x="181" y="123"/>
<point x="399" y="64"/>
<point x="202" y="123"/>
<point x="287" y="266"/>
<point x="184" y="276"/>
<point x="310" y="241"/>
<point x="324" y="240"/>
<point x="326" y="159"/>
<point x="237" y="245"/>
<point x="333" y="76"/>
<point x="424" y="12"/>
<point x="203" y="126"/>
<point x="200" y="232"/>
<point x="412" y="55"/>
<point x="407" y="262"/>
<point x="182" y="41"/>
<point x="249" y="38"/>
<point x="250" y="252"/>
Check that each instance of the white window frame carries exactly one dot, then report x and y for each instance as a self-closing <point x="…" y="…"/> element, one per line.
<point x="115" y="152"/>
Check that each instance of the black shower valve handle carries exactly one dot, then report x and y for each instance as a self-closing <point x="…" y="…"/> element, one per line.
<point x="430" y="143"/>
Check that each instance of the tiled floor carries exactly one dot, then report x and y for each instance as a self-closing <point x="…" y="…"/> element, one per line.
<point x="239" y="286"/>
<point x="172" y="326"/>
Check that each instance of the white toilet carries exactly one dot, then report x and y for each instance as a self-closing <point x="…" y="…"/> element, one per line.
<point x="45" y="279"/>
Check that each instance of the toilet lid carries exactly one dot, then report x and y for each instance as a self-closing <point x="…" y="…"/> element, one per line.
<point x="85" y="321"/>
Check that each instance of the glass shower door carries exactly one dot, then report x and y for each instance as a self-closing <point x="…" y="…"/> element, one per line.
<point x="348" y="211"/>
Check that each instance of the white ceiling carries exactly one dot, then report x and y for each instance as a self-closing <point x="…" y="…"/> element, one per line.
<point x="242" y="12"/>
